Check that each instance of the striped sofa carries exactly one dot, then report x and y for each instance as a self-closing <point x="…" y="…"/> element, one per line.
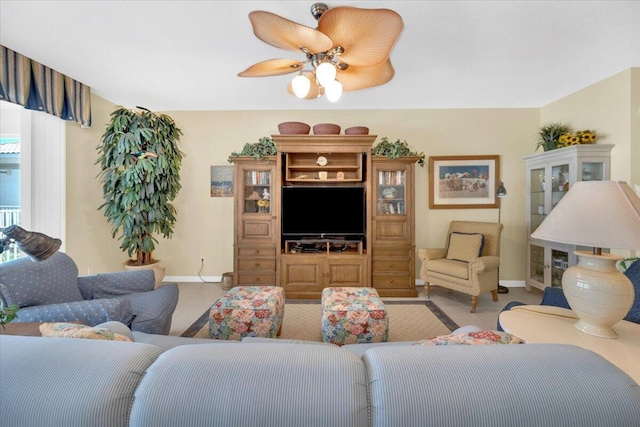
<point x="75" y="382"/>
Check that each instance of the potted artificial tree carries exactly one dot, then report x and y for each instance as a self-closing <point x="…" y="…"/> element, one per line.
<point x="140" y="174"/>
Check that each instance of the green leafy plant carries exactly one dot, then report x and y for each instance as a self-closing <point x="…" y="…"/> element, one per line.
<point x="264" y="147"/>
<point x="549" y="135"/>
<point x="140" y="174"/>
<point x="626" y="262"/>
<point x="8" y="313"/>
<point x="396" y="149"/>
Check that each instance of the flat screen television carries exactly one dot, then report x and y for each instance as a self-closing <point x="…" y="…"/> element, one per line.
<point x="323" y="212"/>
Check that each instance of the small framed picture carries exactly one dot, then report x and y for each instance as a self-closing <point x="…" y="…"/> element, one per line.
<point x="222" y="181"/>
<point x="340" y="175"/>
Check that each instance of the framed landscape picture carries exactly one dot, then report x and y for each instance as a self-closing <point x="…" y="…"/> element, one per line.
<point x="463" y="182"/>
<point x="222" y="181"/>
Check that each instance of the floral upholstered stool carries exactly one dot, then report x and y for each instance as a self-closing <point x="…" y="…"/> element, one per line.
<point x="247" y="311"/>
<point x="353" y="315"/>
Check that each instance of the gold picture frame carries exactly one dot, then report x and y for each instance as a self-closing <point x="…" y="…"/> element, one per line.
<point x="463" y="182"/>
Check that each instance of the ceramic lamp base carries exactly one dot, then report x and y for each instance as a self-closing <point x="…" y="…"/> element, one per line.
<point x="598" y="293"/>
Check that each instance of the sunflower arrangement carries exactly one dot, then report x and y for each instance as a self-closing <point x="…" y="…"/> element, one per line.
<point x="578" y="137"/>
<point x="263" y="205"/>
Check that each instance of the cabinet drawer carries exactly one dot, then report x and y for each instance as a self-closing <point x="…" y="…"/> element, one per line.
<point x="256" y="279"/>
<point x="393" y="251"/>
<point x="257" y="264"/>
<point x="398" y="281"/>
<point x="266" y="251"/>
<point x="391" y="265"/>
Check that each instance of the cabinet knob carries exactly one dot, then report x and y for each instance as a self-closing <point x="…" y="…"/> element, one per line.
<point x="392" y="281"/>
<point x="393" y="253"/>
<point x="392" y="266"/>
<point x="257" y="264"/>
<point x="257" y="279"/>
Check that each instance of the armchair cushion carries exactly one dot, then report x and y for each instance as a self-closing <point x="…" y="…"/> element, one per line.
<point x="465" y="246"/>
<point x="450" y="267"/>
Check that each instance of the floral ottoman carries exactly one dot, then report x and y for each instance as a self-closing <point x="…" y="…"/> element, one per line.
<point x="247" y="311"/>
<point x="353" y="315"/>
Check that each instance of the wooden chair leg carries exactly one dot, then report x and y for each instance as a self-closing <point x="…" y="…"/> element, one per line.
<point x="474" y="303"/>
<point x="427" y="288"/>
<point x="495" y="294"/>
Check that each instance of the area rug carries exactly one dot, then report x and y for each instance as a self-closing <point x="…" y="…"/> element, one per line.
<point x="408" y="321"/>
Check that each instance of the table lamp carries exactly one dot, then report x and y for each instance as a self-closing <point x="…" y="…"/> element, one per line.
<point x="599" y="214"/>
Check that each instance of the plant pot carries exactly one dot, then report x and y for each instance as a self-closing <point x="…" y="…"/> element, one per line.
<point x="227" y="281"/>
<point x="550" y="145"/>
<point x="158" y="270"/>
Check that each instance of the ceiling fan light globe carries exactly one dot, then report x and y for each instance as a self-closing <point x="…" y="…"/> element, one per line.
<point x="301" y="86"/>
<point x="333" y="91"/>
<point x="326" y="73"/>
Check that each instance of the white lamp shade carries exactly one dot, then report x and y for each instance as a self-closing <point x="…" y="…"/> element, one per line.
<point x="301" y="85"/>
<point x="326" y="73"/>
<point x="599" y="214"/>
<point x="333" y="91"/>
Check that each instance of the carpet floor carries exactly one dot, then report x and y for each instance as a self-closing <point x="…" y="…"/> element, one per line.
<point x="408" y="321"/>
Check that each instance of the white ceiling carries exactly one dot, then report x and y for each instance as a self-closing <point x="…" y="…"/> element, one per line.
<point x="185" y="55"/>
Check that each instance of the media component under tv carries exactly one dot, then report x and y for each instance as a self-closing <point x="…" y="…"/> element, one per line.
<point x="323" y="212"/>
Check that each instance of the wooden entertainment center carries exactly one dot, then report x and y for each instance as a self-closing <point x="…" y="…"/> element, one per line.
<point x="382" y="258"/>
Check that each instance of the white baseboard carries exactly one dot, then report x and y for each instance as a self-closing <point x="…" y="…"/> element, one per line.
<point x="192" y="279"/>
<point x="218" y="279"/>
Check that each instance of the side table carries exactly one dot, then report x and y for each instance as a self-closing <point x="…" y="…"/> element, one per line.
<point x="30" y="329"/>
<point x="549" y="324"/>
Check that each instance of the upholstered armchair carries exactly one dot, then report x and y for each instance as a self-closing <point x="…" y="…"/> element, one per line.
<point x="467" y="263"/>
<point x="51" y="291"/>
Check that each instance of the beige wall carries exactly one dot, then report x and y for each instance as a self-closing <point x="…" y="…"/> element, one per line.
<point x="605" y="107"/>
<point x="205" y="224"/>
<point x="611" y="107"/>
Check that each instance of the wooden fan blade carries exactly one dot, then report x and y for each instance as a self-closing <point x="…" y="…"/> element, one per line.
<point x="367" y="35"/>
<point x="272" y="67"/>
<point x="314" y="91"/>
<point x="356" y="78"/>
<point x="280" y="32"/>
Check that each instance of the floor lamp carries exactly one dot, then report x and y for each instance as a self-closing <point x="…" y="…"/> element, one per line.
<point x="501" y="192"/>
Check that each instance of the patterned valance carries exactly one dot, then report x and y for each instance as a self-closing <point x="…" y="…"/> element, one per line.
<point x="28" y="83"/>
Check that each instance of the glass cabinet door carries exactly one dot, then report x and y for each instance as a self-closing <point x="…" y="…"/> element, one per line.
<point x="559" y="263"/>
<point x="592" y="171"/>
<point x="257" y="191"/>
<point x="559" y="183"/>
<point x="536" y="263"/>
<point x="391" y="192"/>
<point x="537" y="198"/>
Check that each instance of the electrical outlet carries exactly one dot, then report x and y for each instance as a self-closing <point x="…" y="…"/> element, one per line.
<point x="201" y="259"/>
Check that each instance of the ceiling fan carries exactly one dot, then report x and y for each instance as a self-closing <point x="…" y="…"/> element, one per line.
<point x="348" y="51"/>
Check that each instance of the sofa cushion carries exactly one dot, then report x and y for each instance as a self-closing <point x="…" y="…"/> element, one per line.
<point x="76" y="330"/>
<point x="498" y="385"/>
<point x="253" y="385"/>
<point x="472" y="338"/>
<point x="465" y="246"/>
<point x="70" y="382"/>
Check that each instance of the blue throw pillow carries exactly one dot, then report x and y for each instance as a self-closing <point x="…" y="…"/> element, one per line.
<point x="633" y="273"/>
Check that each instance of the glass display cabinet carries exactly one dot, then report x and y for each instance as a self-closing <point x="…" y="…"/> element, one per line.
<point x="549" y="176"/>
